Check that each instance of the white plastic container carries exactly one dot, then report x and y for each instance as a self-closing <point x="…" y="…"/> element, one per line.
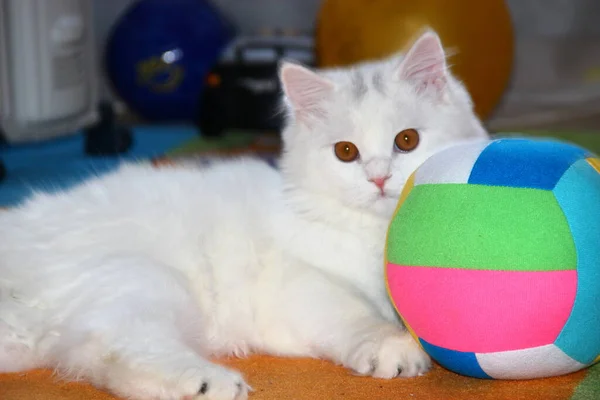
<point x="48" y="78"/>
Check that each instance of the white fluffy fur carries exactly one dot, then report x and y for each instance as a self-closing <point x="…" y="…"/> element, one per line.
<point x="133" y="280"/>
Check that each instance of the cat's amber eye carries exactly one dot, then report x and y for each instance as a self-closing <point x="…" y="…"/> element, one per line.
<point x="407" y="140"/>
<point x="346" y="151"/>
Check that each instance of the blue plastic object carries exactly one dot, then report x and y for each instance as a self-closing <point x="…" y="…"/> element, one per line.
<point x="159" y="53"/>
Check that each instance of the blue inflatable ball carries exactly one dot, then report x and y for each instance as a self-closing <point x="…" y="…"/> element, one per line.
<point x="159" y="53"/>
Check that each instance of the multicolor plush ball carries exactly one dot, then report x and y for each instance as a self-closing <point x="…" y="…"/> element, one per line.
<point x="493" y="258"/>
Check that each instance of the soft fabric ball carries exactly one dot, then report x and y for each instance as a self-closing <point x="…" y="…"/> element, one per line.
<point x="159" y="53"/>
<point x="493" y="258"/>
<point x="351" y="31"/>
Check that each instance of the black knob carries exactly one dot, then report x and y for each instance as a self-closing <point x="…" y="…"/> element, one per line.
<point x="107" y="138"/>
<point x="2" y="170"/>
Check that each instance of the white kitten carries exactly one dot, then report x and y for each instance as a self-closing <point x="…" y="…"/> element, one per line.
<point x="133" y="280"/>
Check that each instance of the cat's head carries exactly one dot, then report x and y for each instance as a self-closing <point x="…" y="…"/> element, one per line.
<point x="356" y="134"/>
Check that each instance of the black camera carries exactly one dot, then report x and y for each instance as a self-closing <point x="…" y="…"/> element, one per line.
<point x="242" y="91"/>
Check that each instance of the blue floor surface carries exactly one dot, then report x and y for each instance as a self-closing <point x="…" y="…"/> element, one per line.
<point x="58" y="164"/>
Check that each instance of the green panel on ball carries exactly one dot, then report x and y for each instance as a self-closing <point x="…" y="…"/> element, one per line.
<point x="481" y="227"/>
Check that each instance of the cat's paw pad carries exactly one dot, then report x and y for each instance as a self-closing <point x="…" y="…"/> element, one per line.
<point x="220" y="385"/>
<point x="389" y="356"/>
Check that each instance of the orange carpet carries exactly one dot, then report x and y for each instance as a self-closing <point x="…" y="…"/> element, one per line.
<point x="287" y="379"/>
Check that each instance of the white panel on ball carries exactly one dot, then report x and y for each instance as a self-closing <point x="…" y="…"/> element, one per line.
<point x="462" y="160"/>
<point x="536" y="362"/>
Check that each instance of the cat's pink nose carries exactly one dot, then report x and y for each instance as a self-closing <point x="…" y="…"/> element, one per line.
<point x="379" y="181"/>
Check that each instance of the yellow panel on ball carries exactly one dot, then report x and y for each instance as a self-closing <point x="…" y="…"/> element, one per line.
<point x="479" y="33"/>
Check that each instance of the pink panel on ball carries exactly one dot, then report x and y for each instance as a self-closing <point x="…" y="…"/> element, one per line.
<point x="483" y="311"/>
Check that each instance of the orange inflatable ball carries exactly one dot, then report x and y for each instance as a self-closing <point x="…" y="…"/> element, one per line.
<point x="477" y="34"/>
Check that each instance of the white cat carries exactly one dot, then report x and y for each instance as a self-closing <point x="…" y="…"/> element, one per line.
<point x="133" y="280"/>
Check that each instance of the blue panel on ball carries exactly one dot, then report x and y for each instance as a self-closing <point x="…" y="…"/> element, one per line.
<point x="457" y="361"/>
<point x="524" y="163"/>
<point x="578" y="193"/>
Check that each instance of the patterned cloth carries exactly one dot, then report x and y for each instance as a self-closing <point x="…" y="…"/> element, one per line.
<point x="287" y="379"/>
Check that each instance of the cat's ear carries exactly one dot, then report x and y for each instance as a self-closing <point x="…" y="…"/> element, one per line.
<point x="424" y="65"/>
<point x="304" y="90"/>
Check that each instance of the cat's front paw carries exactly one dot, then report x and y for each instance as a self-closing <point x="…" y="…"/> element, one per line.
<point x="388" y="354"/>
<point x="204" y="382"/>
